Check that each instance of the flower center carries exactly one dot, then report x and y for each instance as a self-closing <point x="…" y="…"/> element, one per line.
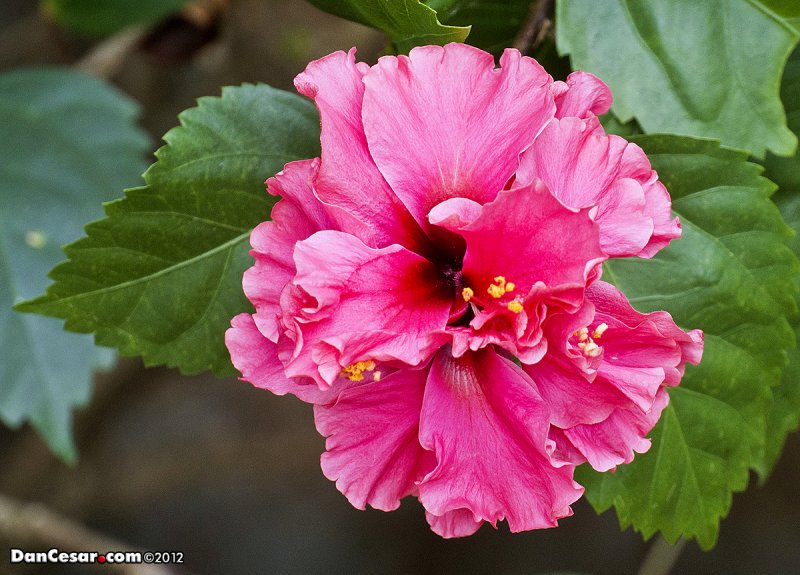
<point x="355" y="371"/>
<point x="587" y="343"/>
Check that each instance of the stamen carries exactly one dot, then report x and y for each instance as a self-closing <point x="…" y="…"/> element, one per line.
<point x="586" y="343"/>
<point x="355" y="371"/>
<point x="599" y="330"/>
<point x="515" y="306"/>
<point x="591" y="349"/>
<point x="498" y="288"/>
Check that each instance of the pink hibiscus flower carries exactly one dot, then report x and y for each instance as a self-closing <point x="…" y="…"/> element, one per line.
<point x="431" y="284"/>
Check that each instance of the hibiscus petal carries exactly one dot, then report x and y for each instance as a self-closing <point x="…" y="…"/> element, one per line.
<point x="295" y="185"/>
<point x="456" y="523"/>
<point x="298" y="215"/>
<point x="443" y="122"/>
<point x="638" y="383"/>
<point x="361" y="303"/>
<point x="658" y="204"/>
<point x="617" y="439"/>
<point x="373" y="453"/>
<point x="518" y="333"/>
<point x="454" y="214"/>
<point x="642" y="340"/>
<point x="256" y="358"/>
<point x="638" y="354"/>
<point x="487" y="426"/>
<point x="582" y="168"/>
<point x="573" y="396"/>
<point x="527" y="236"/>
<point x="349" y="182"/>
<point x="518" y="239"/>
<point x="582" y="95"/>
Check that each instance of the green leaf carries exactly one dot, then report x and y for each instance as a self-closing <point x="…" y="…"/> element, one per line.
<point x="161" y="276"/>
<point x="69" y="141"/>
<point x="708" y="69"/>
<point x="494" y="23"/>
<point x="613" y="126"/>
<point x="731" y="275"/>
<point x="785" y="414"/>
<point x="787" y="10"/>
<point x="103" y="17"/>
<point x="408" y="23"/>
<point x="786" y="171"/>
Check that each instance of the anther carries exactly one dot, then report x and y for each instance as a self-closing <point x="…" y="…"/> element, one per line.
<point x="355" y="371"/>
<point x="591" y="349"/>
<point x="498" y="288"/>
<point x="599" y="331"/>
<point x="515" y="306"/>
<point x="495" y="291"/>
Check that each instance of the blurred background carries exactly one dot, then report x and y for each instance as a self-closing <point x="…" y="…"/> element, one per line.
<point x="228" y="474"/>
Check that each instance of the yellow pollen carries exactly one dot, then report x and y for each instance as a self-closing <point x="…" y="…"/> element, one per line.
<point x="588" y="346"/>
<point x="586" y="342"/>
<point x="355" y="371"/>
<point x="467" y="293"/>
<point x="498" y="288"/>
<point x="514" y="306"/>
<point x="510" y="287"/>
<point x="495" y="291"/>
<point x="591" y="349"/>
<point x="599" y="331"/>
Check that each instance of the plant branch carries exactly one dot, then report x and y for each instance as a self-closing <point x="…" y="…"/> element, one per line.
<point x="661" y="556"/>
<point x="537" y="26"/>
<point x="107" y="58"/>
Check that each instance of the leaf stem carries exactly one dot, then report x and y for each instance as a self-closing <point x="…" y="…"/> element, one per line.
<point x="661" y="556"/>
